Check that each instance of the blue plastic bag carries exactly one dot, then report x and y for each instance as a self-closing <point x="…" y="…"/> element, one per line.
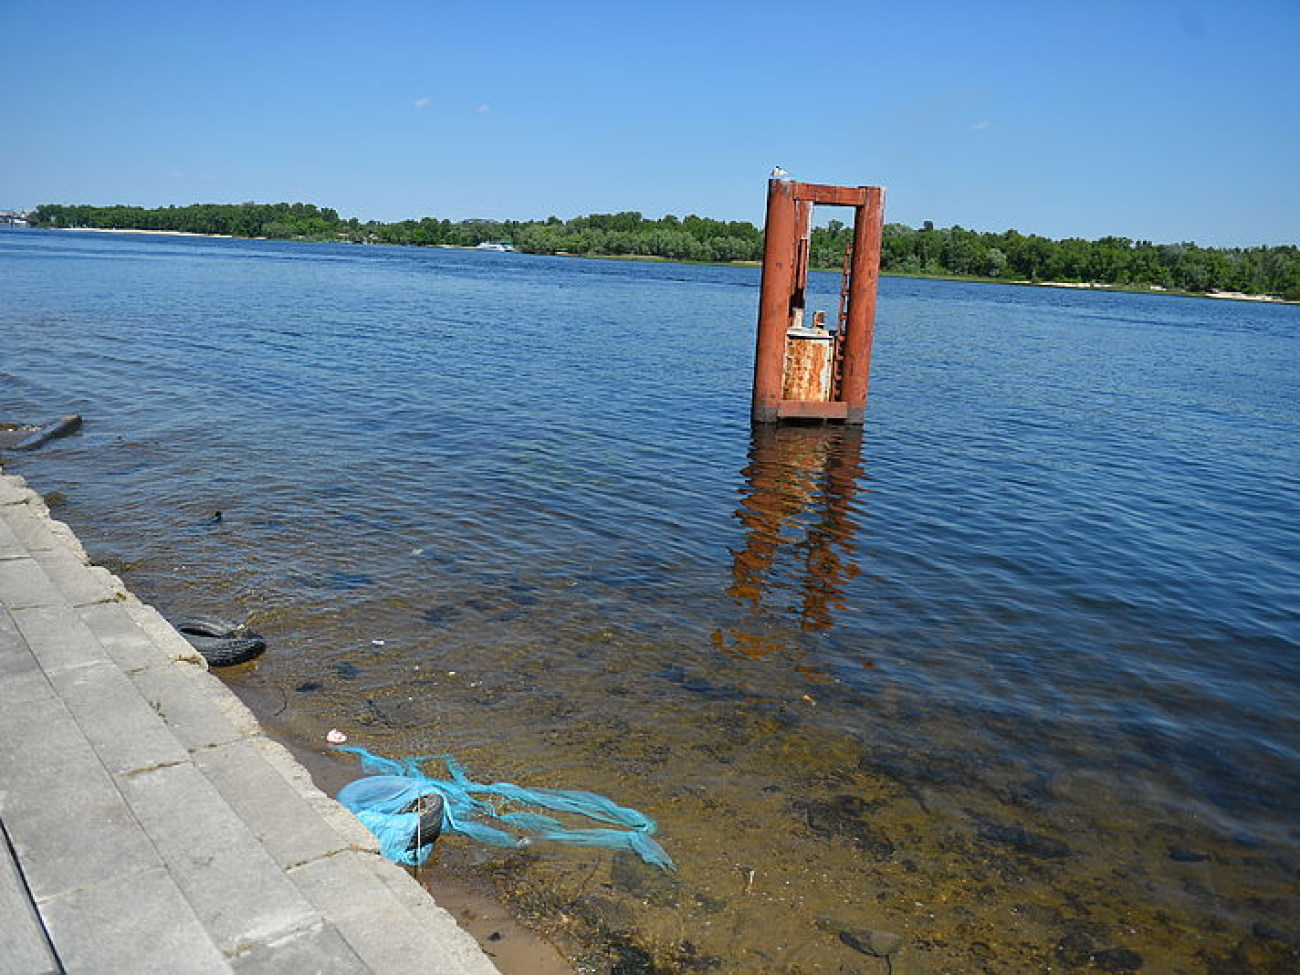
<point x="385" y="801"/>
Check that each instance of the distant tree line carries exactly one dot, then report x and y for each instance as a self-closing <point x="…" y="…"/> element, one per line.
<point x="928" y="251"/>
<point x="1109" y="261"/>
<point x="277" y="220"/>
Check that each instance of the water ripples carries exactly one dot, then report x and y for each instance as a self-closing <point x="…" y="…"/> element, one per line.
<point x="1031" y="640"/>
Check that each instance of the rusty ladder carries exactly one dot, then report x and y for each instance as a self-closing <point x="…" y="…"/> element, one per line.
<point x="842" y="321"/>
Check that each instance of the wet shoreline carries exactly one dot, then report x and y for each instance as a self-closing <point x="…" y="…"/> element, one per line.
<point x="514" y="947"/>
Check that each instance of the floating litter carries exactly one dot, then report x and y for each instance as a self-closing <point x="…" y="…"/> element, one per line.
<point x="336" y="737"/>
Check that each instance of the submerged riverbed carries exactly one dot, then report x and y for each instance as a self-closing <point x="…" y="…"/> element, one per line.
<point x="1012" y="674"/>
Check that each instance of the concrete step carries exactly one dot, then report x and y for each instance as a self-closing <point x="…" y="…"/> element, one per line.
<point x="24" y="945"/>
<point x="151" y="819"/>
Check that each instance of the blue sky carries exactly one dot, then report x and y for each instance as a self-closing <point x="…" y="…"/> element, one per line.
<point x="1166" y="120"/>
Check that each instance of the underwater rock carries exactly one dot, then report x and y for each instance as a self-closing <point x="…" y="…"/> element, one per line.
<point x="701" y="687"/>
<point x="878" y="944"/>
<point x="1267" y="932"/>
<point x="1076" y="950"/>
<point x="606" y="912"/>
<point x="847" y="816"/>
<point x="1024" y="841"/>
<point x="1073" y="949"/>
<point x="634" y="876"/>
<point x="1117" y="960"/>
<point x="630" y="959"/>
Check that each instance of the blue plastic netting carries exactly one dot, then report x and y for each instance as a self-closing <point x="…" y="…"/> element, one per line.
<point x="395" y="785"/>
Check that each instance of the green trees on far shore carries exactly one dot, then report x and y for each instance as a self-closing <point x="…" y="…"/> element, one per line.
<point x="688" y="239"/>
<point x="281" y="220"/>
<point x="1118" y="261"/>
<point x="928" y="251"/>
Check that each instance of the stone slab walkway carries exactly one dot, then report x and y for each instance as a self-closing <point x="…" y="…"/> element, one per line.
<point x="147" y="824"/>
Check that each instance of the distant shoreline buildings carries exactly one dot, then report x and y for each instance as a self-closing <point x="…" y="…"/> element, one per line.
<point x="14" y="218"/>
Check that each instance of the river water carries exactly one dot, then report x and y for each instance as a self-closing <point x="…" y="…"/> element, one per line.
<point x="1014" y="674"/>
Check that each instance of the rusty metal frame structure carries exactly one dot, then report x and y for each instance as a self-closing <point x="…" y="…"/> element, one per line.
<point x="786" y="240"/>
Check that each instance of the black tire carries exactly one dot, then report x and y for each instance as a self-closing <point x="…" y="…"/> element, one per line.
<point x="222" y="644"/>
<point x="430" y="809"/>
<point x="29" y="438"/>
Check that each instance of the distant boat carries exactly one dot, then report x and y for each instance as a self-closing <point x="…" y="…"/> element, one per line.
<point x="492" y="245"/>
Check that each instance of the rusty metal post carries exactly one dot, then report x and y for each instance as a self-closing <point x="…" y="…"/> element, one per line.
<point x="864" y="275"/>
<point x="777" y="289"/>
<point x="784" y="363"/>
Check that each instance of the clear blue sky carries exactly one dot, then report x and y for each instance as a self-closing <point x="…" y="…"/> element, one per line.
<point x="1166" y="120"/>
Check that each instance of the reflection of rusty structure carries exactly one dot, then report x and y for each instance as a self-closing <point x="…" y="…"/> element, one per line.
<point x="802" y="370"/>
<point x="797" y="514"/>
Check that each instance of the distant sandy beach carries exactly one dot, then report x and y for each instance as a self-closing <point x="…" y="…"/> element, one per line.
<point x="154" y="233"/>
<point x="1156" y="289"/>
<point x="1242" y="296"/>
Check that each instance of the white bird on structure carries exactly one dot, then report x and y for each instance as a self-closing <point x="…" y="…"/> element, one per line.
<point x="778" y="171"/>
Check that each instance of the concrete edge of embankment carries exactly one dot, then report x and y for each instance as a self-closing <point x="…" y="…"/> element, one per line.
<point x="386" y="918"/>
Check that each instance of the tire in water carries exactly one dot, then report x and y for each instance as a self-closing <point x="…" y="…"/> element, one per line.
<point x="222" y="644"/>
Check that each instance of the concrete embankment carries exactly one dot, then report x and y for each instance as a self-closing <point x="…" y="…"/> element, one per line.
<point x="148" y="823"/>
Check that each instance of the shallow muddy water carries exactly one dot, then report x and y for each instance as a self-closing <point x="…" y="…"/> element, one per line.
<point x="1012" y="675"/>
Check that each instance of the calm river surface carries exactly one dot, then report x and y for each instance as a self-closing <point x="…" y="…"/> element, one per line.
<point x="1015" y="674"/>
